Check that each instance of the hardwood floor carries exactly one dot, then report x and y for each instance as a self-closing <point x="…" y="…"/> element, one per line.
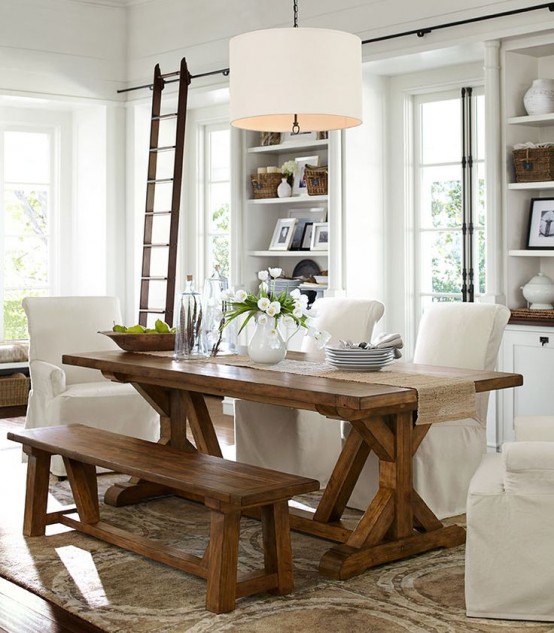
<point x="21" y="611"/>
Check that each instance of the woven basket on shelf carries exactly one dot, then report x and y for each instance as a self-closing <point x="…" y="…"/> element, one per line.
<point x="534" y="164"/>
<point x="14" y="390"/>
<point x="265" y="185"/>
<point x="316" y="180"/>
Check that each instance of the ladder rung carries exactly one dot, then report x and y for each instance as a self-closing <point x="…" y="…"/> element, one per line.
<point x="174" y="73"/>
<point x="158" y="213"/>
<point x="153" y="278"/>
<point x="157" y="245"/>
<point x="160" y="117"/>
<point x="152" y="310"/>
<point x="166" y="148"/>
<point x="159" y="180"/>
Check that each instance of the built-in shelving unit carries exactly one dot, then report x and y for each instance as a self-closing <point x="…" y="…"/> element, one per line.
<point x="523" y="60"/>
<point x="260" y="215"/>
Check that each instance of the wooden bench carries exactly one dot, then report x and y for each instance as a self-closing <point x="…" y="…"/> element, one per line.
<point x="226" y="488"/>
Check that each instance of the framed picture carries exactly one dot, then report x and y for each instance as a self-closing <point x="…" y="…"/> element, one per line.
<point x="312" y="214"/>
<point x="283" y="234"/>
<point x="306" y="242"/>
<point x="299" y="184"/>
<point x="304" y="216"/>
<point x="541" y="224"/>
<point x="288" y="137"/>
<point x="320" y="237"/>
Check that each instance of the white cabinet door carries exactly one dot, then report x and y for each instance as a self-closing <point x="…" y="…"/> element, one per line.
<point x="527" y="350"/>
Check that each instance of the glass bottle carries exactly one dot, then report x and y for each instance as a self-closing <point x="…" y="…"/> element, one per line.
<point x="219" y="338"/>
<point x="190" y="339"/>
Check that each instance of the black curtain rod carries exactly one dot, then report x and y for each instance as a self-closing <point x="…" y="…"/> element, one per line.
<point x="419" y="32"/>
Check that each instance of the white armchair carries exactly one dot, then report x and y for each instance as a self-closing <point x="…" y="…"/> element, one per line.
<point x="63" y="394"/>
<point x="309" y="443"/>
<point x="509" y="571"/>
<point x="466" y="335"/>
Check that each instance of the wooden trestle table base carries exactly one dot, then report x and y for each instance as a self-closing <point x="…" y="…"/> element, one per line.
<point x="397" y="522"/>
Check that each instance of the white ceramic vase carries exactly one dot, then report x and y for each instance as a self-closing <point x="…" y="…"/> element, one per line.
<point x="266" y="346"/>
<point x="539" y="99"/>
<point x="284" y="190"/>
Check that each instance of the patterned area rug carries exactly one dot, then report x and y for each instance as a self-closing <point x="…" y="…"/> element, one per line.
<point x="120" y="591"/>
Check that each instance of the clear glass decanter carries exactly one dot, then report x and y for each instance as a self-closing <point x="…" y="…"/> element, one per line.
<point x="218" y="338"/>
<point x="190" y="338"/>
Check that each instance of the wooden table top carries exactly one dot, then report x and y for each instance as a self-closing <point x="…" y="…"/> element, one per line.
<point x="293" y="390"/>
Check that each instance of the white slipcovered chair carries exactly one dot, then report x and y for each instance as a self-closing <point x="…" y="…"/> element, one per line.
<point x="63" y="394"/>
<point x="509" y="571"/>
<point x="465" y="335"/>
<point x="303" y="442"/>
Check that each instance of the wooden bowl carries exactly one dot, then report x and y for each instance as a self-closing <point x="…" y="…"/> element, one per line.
<point x="151" y="342"/>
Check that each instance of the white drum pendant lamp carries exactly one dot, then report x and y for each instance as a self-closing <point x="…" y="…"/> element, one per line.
<point x="295" y="80"/>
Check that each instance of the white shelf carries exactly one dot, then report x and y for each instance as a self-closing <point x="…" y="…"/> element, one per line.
<point x="289" y="146"/>
<point x="289" y="200"/>
<point x="534" y="120"/>
<point x="532" y="185"/>
<point x="537" y="253"/>
<point x="288" y="253"/>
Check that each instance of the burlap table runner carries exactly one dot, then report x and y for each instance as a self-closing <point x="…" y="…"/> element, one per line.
<point x="440" y="399"/>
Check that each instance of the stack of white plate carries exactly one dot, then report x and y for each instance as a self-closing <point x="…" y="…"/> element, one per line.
<point x="359" y="359"/>
<point x="283" y="284"/>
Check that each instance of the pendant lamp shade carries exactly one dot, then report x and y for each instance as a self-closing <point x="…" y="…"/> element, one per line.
<point x="315" y="74"/>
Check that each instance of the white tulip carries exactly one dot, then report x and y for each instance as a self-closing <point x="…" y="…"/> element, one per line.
<point x="271" y="311"/>
<point x="264" y="287"/>
<point x="296" y="294"/>
<point x="297" y="313"/>
<point x="276" y="306"/>
<point x="263" y="304"/>
<point x="275" y="272"/>
<point x="240" y="296"/>
<point x="263" y="275"/>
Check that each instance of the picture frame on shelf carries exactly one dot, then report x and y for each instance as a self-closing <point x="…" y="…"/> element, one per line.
<point x="306" y="243"/>
<point x="283" y="234"/>
<point x="299" y="186"/>
<point x="320" y="236"/>
<point x="313" y="214"/>
<point x="305" y="216"/>
<point x="540" y="234"/>
<point x="289" y="137"/>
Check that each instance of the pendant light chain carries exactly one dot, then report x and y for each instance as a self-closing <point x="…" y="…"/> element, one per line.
<point x="295" y="126"/>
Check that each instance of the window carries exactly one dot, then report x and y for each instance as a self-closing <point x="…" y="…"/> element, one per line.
<point x="217" y="197"/>
<point x="439" y="215"/>
<point x="25" y="222"/>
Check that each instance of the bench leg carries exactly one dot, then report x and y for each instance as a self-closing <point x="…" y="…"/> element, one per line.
<point x="223" y="561"/>
<point x="36" y="495"/>
<point x="277" y="547"/>
<point x="84" y="487"/>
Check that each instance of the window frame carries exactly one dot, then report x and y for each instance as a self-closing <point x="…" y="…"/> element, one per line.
<point x="442" y="93"/>
<point x="53" y="132"/>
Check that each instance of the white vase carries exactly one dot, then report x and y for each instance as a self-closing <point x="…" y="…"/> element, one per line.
<point x="284" y="190"/>
<point x="266" y="346"/>
<point x="539" y="99"/>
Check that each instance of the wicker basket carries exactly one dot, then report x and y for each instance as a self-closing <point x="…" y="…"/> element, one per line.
<point x="534" y="164"/>
<point x="265" y="185"/>
<point x="316" y="180"/>
<point x="14" y="390"/>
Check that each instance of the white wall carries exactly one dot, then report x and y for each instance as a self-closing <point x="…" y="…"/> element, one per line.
<point x="65" y="48"/>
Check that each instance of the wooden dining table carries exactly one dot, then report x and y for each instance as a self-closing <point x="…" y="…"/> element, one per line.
<point x="396" y="524"/>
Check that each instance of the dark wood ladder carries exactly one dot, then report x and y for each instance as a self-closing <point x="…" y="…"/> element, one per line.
<point x="165" y="282"/>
